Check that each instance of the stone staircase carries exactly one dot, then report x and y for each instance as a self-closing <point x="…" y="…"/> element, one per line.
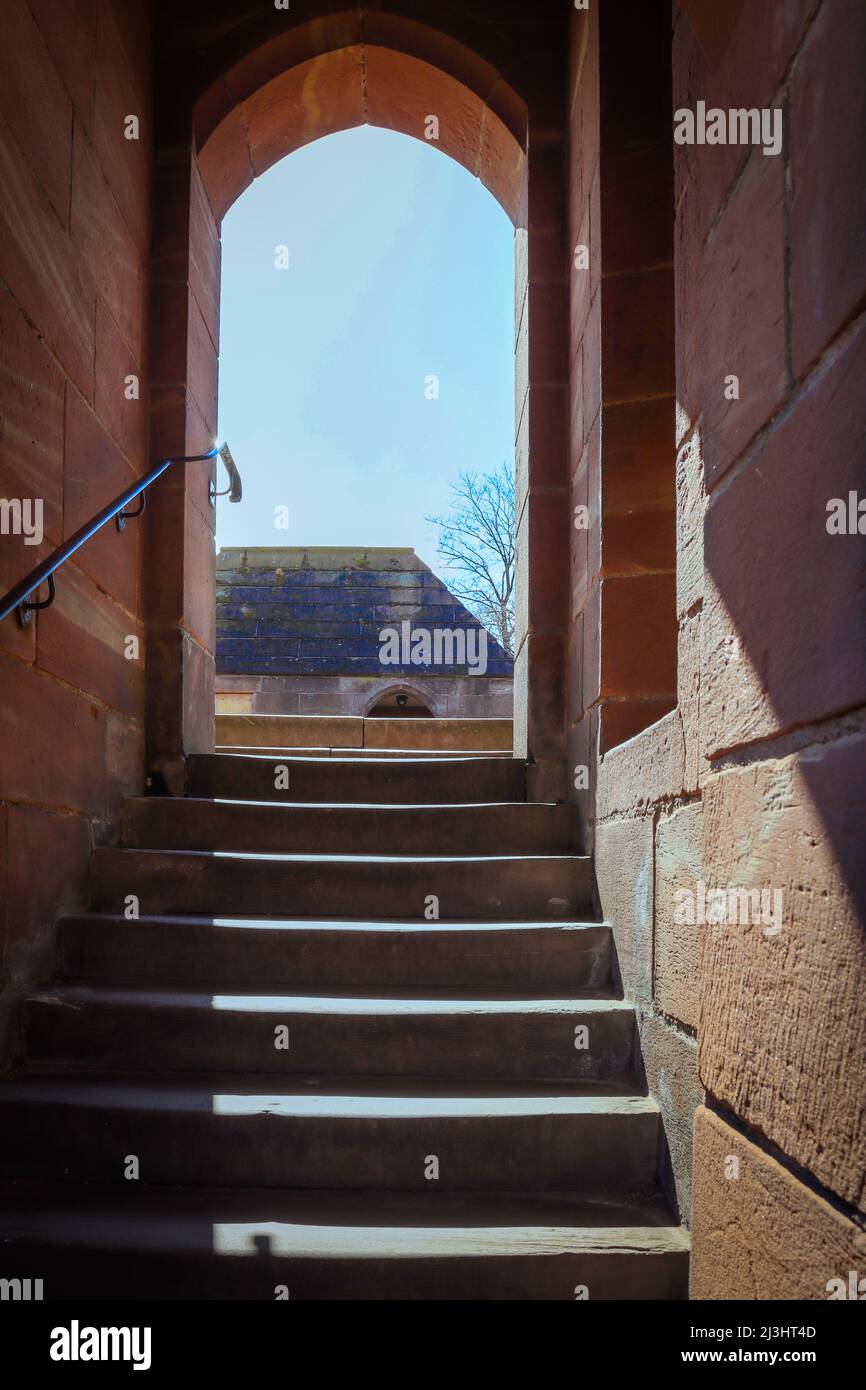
<point x="288" y="1076"/>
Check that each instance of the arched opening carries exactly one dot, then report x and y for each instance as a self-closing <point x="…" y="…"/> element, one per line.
<point x="366" y="371"/>
<point x="302" y="82"/>
<point x="400" y="704"/>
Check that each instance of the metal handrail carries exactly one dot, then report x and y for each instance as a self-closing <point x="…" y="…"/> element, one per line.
<point x="17" y="597"/>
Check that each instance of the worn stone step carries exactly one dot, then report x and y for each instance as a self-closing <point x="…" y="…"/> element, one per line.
<point x="227" y="1130"/>
<point x="94" y="1241"/>
<point x="436" y="781"/>
<point x="291" y="730"/>
<point x="562" y="957"/>
<point x="266" y="828"/>
<point x="355" y="731"/>
<point x="531" y="888"/>
<point x="441" y="1036"/>
<point x="476" y="735"/>
<point x="443" y="754"/>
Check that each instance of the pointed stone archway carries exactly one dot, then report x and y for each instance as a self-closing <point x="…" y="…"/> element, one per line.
<point x="278" y="86"/>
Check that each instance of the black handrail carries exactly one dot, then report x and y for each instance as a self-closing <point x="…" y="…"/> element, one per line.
<point x="17" y="597"/>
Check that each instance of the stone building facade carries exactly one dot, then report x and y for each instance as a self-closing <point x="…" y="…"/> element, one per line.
<point x="312" y="631"/>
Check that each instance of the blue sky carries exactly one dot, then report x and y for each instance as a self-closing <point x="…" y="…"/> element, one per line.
<point x="401" y="266"/>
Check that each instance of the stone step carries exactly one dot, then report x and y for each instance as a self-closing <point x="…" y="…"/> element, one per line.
<point x="355" y="731"/>
<point x="343" y="1035"/>
<point x="267" y="828"/>
<point x="98" y="1241"/>
<point x="562" y="957"/>
<point x="469" y="735"/>
<point x="443" y="754"/>
<point x="227" y="1130"/>
<point x="419" y="781"/>
<point x="529" y="888"/>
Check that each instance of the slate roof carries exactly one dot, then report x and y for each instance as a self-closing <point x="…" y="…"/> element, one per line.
<point x="319" y="611"/>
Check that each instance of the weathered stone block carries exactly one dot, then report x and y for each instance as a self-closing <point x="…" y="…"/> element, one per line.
<point x="783" y="1004"/>
<point x="547" y="306"/>
<point x="828" y="114"/>
<point x="581" y="280"/>
<point x="574" y="658"/>
<point x="742" y="307"/>
<point x="689" y="675"/>
<point x="586" y="538"/>
<point x="107" y="245"/>
<point x="83" y="640"/>
<point x="542" y="538"/>
<point x="591" y="345"/>
<point x="639" y="543"/>
<point x="546" y="695"/>
<point x="204" y="250"/>
<point x="35" y="105"/>
<point x="671" y="1065"/>
<point x="691" y="505"/>
<point x="180" y="703"/>
<point x="43" y="270"/>
<point x="647" y="769"/>
<point x="637" y="184"/>
<point x="678" y="864"/>
<point x="68" y="773"/>
<point x="638" y="341"/>
<point x="96" y="471"/>
<point x="48" y="872"/>
<point x="123" y="41"/>
<point x="621" y="720"/>
<point x="638" y="452"/>
<point x="125" y="418"/>
<point x="68" y="28"/>
<point x="762" y="1234"/>
<point x="184" y="349"/>
<point x="624" y="866"/>
<point x="592" y="647"/>
<point x="31" y="461"/>
<point x="745" y="59"/>
<point x="638" y="636"/>
<point x="780" y="648"/>
<point x="541" y="440"/>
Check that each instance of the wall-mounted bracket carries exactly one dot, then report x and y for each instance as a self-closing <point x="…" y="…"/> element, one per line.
<point x="26" y="610"/>
<point x="123" y="517"/>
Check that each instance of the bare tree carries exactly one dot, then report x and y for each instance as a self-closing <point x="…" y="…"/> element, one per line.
<point x="477" y="538"/>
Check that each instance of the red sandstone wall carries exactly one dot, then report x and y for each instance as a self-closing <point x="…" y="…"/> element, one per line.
<point x="756" y="778"/>
<point x="74" y="238"/>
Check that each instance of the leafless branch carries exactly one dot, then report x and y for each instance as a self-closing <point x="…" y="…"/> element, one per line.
<point x="477" y="538"/>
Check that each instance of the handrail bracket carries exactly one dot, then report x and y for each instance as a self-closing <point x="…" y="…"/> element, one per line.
<point x="123" y="517"/>
<point x="28" y="608"/>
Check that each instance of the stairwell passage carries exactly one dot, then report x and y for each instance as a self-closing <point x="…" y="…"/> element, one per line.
<point x="362" y="1040"/>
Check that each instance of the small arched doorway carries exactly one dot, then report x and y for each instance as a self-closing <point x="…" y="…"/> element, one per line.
<point x="400" y="704"/>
